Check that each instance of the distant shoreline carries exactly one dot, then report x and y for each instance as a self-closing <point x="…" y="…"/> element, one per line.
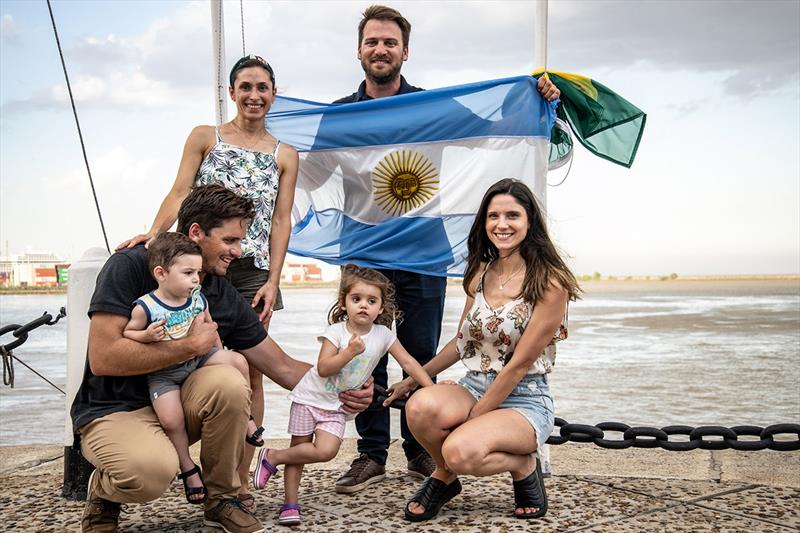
<point x="602" y="282"/>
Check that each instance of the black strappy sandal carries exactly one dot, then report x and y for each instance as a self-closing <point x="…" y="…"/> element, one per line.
<point x="432" y="495"/>
<point x="193" y="491"/>
<point x="529" y="492"/>
<point x="255" y="439"/>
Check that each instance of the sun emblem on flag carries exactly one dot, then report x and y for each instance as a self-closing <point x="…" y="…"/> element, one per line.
<point x="404" y="180"/>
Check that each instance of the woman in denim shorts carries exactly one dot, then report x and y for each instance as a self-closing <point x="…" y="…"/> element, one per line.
<point x="495" y="418"/>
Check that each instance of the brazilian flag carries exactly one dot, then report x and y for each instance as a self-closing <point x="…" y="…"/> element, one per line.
<point x="604" y="122"/>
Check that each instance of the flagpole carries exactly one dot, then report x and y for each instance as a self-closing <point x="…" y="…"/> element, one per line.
<point x="540" y="62"/>
<point x="218" y="53"/>
<point x="540" y="181"/>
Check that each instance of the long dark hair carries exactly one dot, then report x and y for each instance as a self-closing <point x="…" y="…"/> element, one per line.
<point x="543" y="264"/>
<point x="352" y="274"/>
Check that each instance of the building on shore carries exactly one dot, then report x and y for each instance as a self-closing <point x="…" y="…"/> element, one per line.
<point x="297" y="272"/>
<point x="33" y="269"/>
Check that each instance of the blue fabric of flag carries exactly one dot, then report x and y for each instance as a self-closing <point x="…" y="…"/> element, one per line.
<point x="337" y="214"/>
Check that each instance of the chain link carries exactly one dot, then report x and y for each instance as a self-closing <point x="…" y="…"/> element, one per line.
<point x="702" y="437"/>
<point x="21" y="334"/>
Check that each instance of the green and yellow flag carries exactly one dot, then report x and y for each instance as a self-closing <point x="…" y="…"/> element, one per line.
<point x="604" y="122"/>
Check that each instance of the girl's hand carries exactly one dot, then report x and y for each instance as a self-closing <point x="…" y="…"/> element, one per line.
<point x="268" y="292"/>
<point x="401" y="389"/>
<point x="156" y="331"/>
<point x="355" y="345"/>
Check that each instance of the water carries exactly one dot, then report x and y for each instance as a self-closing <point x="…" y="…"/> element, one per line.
<point x="649" y="353"/>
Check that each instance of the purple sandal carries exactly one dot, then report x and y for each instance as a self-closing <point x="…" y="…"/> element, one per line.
<point x="289" y="515"/>
<point x="264" y="470"/>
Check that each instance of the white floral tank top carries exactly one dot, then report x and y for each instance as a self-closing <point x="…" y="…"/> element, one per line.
<point x="254" y="175"/>
<point x="489" y="335"/>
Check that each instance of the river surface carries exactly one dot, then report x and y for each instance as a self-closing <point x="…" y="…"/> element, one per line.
<point x="643" y="353"/>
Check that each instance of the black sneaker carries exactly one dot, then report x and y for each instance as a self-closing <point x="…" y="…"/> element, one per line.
<point x="363" y="471"/>
<point x="421" y="466"/>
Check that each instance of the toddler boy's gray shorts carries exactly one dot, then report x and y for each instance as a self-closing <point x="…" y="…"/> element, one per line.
<point x="171" y="378"/>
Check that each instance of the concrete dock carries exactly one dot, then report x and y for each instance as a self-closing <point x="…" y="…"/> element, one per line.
<point x="591" y="489"/>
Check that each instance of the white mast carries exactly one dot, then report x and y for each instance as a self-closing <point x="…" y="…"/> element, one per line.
<point x="218" y="53"/>
<point x="540" y="61"/>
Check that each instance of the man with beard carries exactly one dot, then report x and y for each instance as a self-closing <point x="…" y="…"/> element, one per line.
<point x="383" y="36"/>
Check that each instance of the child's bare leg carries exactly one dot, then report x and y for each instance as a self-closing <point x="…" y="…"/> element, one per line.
<point x="236" y="360"/>
<point x="324" y="448"/>
<point x="293" y="473"/>
<point x="169" y="410"/>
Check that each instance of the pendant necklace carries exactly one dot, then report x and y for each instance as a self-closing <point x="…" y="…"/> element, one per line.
<point x="509" y="278"/>
<point x="241" y="131"/>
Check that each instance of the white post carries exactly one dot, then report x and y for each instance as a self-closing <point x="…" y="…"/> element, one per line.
<point x="540" y="182"/>
<point x="82" y="278"/>
<point x="540" y="61"/>
<point x="218" y="53"/>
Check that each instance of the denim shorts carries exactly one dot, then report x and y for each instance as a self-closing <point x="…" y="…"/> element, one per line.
<point x="530" y="398"/>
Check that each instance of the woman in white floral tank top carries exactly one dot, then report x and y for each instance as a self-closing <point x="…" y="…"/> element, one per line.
<point x="495" y="418"/>
<point x="244" y="157"/>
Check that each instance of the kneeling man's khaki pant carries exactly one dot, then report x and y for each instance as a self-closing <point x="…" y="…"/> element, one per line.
<point x="135" y="460"/>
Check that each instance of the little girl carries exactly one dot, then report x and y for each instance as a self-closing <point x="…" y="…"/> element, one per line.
<point x="357" y="337"/>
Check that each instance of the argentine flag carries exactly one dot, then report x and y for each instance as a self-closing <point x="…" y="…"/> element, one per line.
<point x="395" y="182"/>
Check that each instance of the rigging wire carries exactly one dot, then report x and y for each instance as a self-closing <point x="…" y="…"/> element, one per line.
<point x="241" y="14"/>
<point x="78" y="125"/>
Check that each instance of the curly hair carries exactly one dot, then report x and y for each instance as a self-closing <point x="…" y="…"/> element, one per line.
<point x="352" y="274"/>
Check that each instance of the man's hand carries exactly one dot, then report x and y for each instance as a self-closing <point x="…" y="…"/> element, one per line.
<point x="355" y="401"/>
<point x="547" y="89"/>
<point x="203" y="334"/>
<point x="155" y="331"/>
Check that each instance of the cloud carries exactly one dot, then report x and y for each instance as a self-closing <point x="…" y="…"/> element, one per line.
<point x="312" y="46"/>
<point x="8" y="29"/>
<point x="758" y="42"/>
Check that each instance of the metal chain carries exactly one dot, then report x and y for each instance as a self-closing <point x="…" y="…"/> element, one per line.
<point x="21" y="334"/>
<point x="650" y="437"/>
<point x="721" y="438"/>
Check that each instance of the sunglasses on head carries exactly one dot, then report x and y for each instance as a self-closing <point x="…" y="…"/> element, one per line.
<point x="249" y="58"/>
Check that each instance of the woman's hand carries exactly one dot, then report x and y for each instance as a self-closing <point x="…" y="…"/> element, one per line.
<point x="355" y="401"/>
<point x="138" y="239"/>
<point x="401" y="389"/>
<point x="266" y="294"/>
<point x="476" y="411"/>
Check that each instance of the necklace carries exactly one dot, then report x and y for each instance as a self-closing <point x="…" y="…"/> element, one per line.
<point x="250" y="146"/>
<point x="509" y="278"/>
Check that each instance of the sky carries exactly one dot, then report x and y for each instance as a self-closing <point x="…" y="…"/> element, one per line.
<point x="714" y="189"/>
